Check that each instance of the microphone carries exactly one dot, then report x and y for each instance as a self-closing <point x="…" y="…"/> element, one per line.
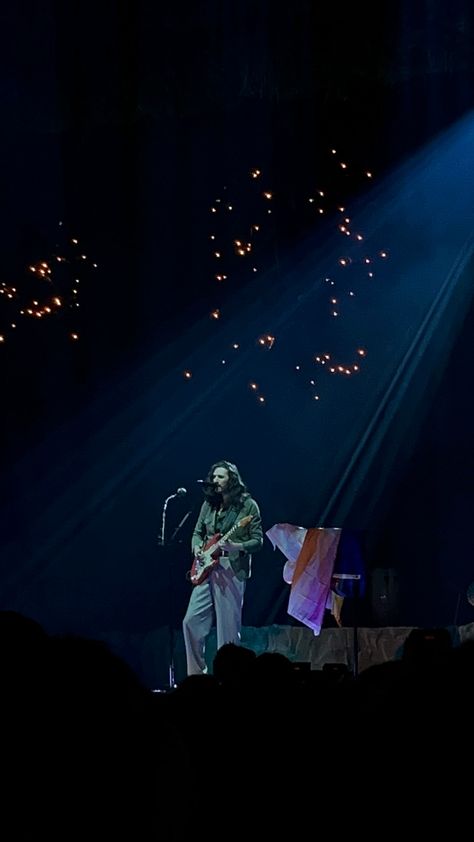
<point x="181" y="492"/>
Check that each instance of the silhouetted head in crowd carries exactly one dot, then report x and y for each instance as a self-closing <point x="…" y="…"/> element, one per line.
<point x="273" y="671"/>
<point x="427" y="646"/>
<point x="17" y="629"/>
<point x="232" y="664"/>
<point x="23" y="648"/>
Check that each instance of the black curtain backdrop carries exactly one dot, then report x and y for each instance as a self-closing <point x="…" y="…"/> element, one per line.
<point x="122" y="123"/>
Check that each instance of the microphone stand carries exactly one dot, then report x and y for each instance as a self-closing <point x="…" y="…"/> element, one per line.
<point x="161" y="536"/>
<point x="162" y="543"/>
<point x="180" y="524"/>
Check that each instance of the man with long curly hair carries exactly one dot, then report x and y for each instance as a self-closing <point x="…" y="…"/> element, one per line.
<point x="219" y="596"/>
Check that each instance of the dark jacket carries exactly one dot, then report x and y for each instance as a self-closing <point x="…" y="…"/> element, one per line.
<point x="250" y="536"/>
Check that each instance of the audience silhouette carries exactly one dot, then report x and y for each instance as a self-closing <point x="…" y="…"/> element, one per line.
<point x="90" y="752"/>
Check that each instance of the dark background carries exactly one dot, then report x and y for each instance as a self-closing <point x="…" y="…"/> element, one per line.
<point x="124" y="122"/>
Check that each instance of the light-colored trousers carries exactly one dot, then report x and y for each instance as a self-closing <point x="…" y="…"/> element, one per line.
<point x="220" y="597"/>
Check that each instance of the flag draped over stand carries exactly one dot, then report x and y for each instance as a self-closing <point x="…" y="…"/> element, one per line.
<point x="313" y="556"/>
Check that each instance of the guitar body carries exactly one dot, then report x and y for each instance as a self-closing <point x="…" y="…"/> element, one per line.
<point x="201" y="567"/>
<point x="210" y="553"/>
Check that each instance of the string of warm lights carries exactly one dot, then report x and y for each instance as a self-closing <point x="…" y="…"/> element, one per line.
<point x="341" y="292"/>
<point x="241" y="246"/>
<point x="49" y="288"/>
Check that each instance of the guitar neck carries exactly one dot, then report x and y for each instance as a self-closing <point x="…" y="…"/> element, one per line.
<point x="226" y="536"/>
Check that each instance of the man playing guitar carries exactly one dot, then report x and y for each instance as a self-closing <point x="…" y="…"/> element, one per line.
<point x="227" y="532"/>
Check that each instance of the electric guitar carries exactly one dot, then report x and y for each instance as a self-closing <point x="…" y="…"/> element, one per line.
<point x="201" y="567"/>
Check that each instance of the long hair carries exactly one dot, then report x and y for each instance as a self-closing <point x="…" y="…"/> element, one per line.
<point x="236" y="489"/>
